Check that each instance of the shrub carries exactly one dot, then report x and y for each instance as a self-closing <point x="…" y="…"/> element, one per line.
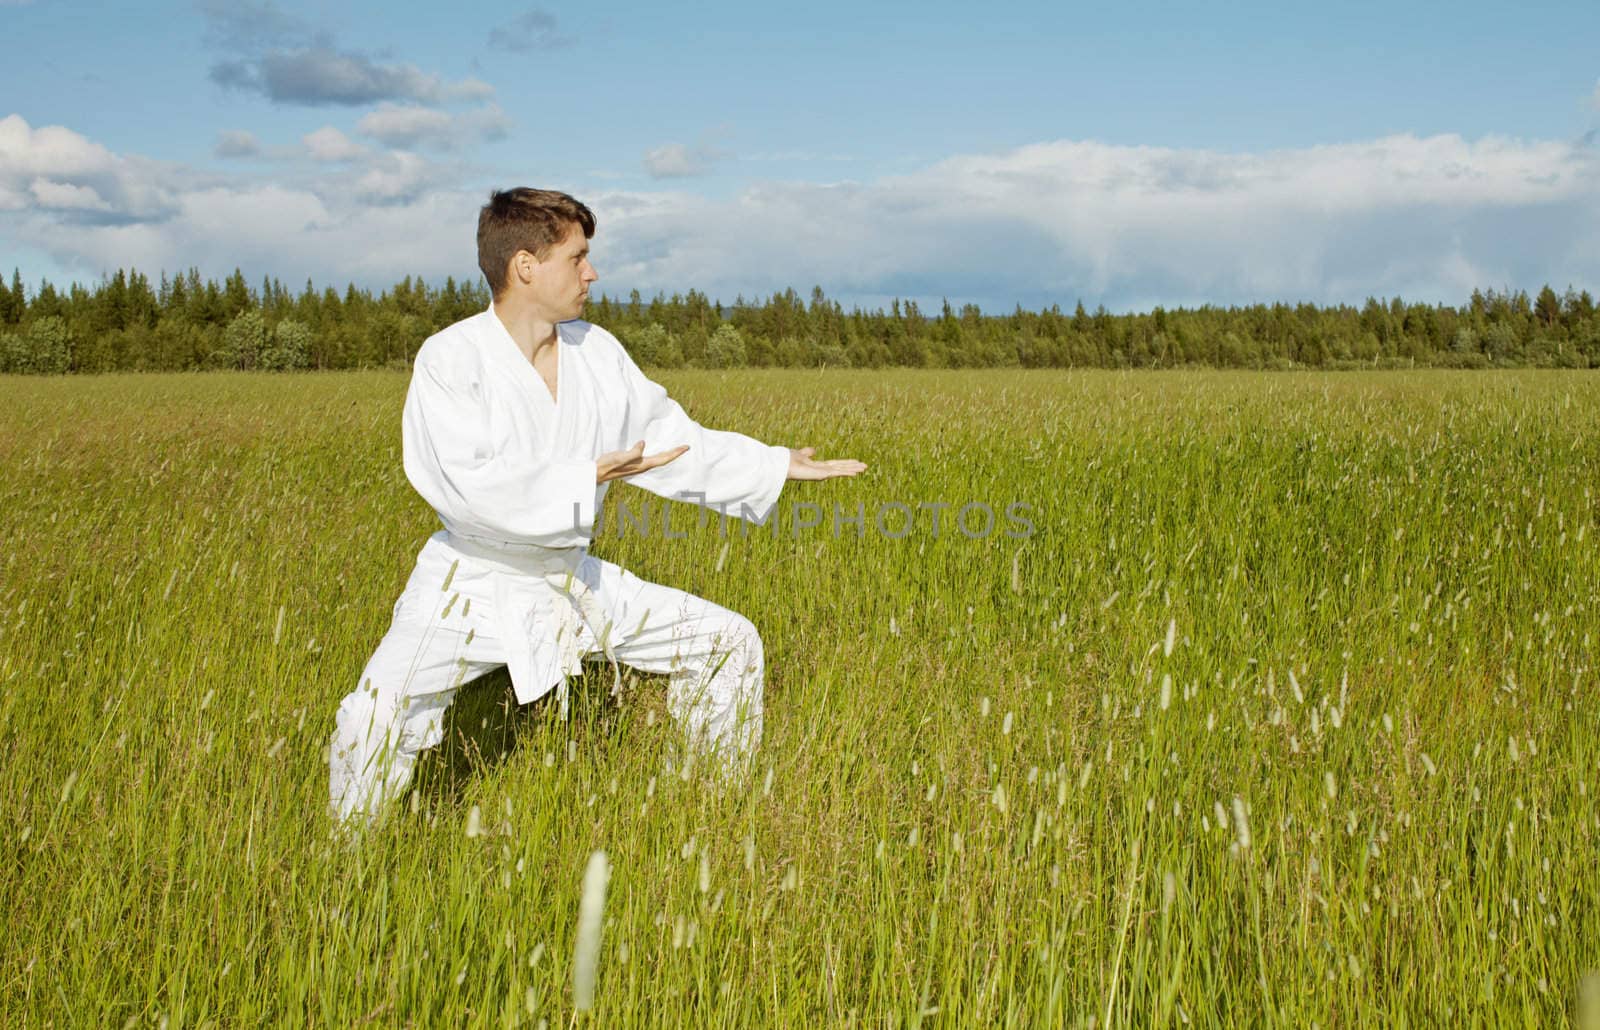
<point x="43" y="347"/>
<point x="726" y="349"/>
<point x="243" y="341"/>
<point x="290" y="348"/>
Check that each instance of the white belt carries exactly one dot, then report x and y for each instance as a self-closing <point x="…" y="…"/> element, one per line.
<point x="526" y="579"/>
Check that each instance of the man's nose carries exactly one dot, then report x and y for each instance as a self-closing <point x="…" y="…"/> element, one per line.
<point x="589" y="274"/>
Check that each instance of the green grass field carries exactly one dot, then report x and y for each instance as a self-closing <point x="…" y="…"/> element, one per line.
<point x="1286" y="714"/>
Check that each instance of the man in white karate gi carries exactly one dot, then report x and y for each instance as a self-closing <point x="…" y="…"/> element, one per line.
<point x="516" y="421"/>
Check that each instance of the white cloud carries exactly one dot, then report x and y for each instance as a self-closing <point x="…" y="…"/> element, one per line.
<point x="251" y="24"/>
<point x="91" y="210"/>
<point x="64" y="196"/>
<point x="1430" y="218"/>
<point x="320" y="76"/>
<point x="677" y="161"/>
<point x="51" y="148"/>
<point x="671" y="160"/>
<point x="237" y="143"/>
<point x="292" y="232"/>
<point x="288" y="60"/>
<point x="55" y="168"/>
<point x="330" y="145"/>
<point x="1426" y="218"/>
<point x="529" y="32"/>
<point x="404" y="123"/>
<point x="1594" y="98"/>
<point x="412" y="125"/>
<point x="400" y="177"/>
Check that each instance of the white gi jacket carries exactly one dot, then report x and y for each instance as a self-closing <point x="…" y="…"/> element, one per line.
<point x="511" y="471"/>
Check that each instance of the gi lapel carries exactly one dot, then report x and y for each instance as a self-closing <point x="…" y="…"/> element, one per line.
<point x="502" y="350"/>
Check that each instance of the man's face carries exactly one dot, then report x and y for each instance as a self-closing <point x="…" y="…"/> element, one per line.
<point x="561" y="281"/>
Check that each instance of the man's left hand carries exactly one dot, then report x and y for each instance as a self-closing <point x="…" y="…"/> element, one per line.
<point x="803" y="464"/>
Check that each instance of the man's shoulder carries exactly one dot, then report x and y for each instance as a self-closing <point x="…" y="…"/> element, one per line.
<point x="451" y="347"/>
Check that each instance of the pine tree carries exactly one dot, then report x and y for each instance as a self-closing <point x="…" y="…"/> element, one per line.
<point x="13" y="302"/>
<point x="1547" y="309"/>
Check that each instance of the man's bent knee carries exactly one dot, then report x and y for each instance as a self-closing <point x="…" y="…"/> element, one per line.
<point x="738" y="638"/>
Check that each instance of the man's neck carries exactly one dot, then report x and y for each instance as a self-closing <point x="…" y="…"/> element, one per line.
<point x="529" y="331"/>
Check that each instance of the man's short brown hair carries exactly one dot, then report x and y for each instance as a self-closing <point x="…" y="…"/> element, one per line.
<point x="525" y="219"/>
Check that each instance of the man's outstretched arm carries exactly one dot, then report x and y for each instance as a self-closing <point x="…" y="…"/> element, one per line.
<point x="728" y="471"/>
<point x="803" y="464"/>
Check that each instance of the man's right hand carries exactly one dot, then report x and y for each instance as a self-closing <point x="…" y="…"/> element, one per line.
<point x="631" y="462"/>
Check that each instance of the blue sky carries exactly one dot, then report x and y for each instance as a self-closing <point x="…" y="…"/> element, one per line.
<point x="1128" y="154"/>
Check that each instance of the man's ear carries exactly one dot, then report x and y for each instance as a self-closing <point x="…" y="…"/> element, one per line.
<point x="522" y="266"/>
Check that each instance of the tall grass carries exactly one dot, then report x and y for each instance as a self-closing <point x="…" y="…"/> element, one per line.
<point x="1286" y="713"/>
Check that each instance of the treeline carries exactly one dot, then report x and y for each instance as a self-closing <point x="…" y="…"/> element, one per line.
<point x="127" y="322"/>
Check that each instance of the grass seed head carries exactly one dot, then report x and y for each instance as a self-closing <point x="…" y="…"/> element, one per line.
<point x="1241" y="823"/>
<point x="591" y="912"/>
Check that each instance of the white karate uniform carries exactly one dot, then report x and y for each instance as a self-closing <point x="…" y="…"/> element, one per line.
<point x="511" y="472"/>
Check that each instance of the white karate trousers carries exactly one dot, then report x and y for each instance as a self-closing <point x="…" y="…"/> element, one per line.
<point x="442" y="639"/>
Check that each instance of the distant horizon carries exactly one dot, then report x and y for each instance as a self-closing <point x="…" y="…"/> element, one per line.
<point x="129" y="323"/>
<point x="929" y="306"/>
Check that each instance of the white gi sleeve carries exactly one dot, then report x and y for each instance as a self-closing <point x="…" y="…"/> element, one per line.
<point x="728" y="471"/>
<point x="451" y="459"/>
